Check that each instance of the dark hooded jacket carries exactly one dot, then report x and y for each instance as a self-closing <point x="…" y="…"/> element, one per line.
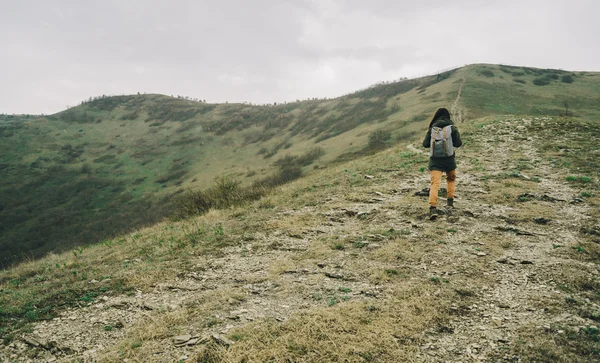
<point x="443" y="164"/>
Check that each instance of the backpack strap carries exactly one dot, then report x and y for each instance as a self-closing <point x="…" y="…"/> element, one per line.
<point x="444" y="139"/>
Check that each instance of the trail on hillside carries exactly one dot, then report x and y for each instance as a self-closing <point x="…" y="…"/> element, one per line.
<point x="457" y="111"/>
<point x="500" y="271"/>
<point x="529" y="272"/>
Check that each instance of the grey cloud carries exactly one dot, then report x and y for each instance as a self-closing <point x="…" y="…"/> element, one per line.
<point x="63" y="51"/>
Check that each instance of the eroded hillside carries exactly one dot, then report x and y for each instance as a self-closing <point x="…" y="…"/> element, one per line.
<point x="343" y="265"/>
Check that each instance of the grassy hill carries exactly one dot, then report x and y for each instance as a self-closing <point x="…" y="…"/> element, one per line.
<point x="340" y="267"/>
<point x="113" y="164"/>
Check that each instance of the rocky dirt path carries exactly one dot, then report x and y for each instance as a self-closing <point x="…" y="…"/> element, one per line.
<point x="457" y="111"/>
<point x="524" y="274"/>
<point x="283" y="270"/>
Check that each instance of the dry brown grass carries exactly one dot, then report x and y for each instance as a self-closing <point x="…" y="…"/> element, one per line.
<point x="539" y="344"/>
<point x="383" y="331"/>
<point x="149" y="334"/>
<point x="381" y="300"/>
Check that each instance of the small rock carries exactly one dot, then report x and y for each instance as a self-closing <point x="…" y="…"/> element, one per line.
<point x="379" y="194"/>
<point x="547" y="198"/>
<point x="334" y="275"/>
<point x="93" y="282"/>
<point x="481" y="254"/>
<point x="192" y="341"/>
<point x="219" y="339"/>
<point x="422" y="193"/>
<point x="349" y="213"/>
<point x="181" y="339"/>
<point x="321" y="265"/>
<point x="542" y="220"/>
<point x="147" y="306"/>
<point x="183" y="357"/>
<point x="116" y="305"/>
<point x="373" y="246"/>
<point x="369" y="177"/>
<point x="31" y="341"/>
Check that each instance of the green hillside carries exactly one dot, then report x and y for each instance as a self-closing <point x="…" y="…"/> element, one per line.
<point x="114" y="164"/>
<point x="344" y="266"/>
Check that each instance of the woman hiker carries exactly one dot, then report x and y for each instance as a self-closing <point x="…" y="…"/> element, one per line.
<point x="442" y="138"/>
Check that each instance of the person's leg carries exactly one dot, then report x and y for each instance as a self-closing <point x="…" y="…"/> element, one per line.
<point x="436" y="180"/>
<point x="451" y="180"/>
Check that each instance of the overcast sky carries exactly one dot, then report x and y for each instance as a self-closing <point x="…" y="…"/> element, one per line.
<point x="56" y="53"/>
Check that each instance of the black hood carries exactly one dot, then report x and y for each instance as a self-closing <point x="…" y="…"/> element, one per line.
<point x="442" y="122"/>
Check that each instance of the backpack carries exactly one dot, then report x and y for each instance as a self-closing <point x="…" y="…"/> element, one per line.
<point x="441" y="142"/>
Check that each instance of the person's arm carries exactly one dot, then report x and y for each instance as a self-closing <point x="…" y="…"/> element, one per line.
<point x="456" y="141"/>
<point x="427" y="140"/>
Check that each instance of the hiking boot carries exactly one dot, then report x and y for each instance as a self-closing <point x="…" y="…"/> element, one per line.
<point x="433" y="213"/>
<point x="450" y="202"/>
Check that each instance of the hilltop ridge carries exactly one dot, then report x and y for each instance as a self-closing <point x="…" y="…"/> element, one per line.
<point x="114" y="164"/>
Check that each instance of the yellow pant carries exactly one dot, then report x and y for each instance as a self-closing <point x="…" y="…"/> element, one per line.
<point x="436" y="180"/>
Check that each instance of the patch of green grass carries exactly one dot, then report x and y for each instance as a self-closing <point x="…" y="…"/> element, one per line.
<point x="580" y="249"/>
<point x="339" y="246"/>
<point x="332" y="301"/>
<point x="89" y="296"/>
<point x="524" y="198"/>
<point x="391" y="272"/>
<point x="359" y="244"/>
<point x="317" y="297"/>
<point x="579" y="179"/>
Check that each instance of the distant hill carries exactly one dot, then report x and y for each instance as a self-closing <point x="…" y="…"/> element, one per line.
<point x="113" y="164"/>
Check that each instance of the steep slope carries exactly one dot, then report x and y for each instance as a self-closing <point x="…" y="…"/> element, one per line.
<point x="343" y="265"/>
<point x="113" y="164"/>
